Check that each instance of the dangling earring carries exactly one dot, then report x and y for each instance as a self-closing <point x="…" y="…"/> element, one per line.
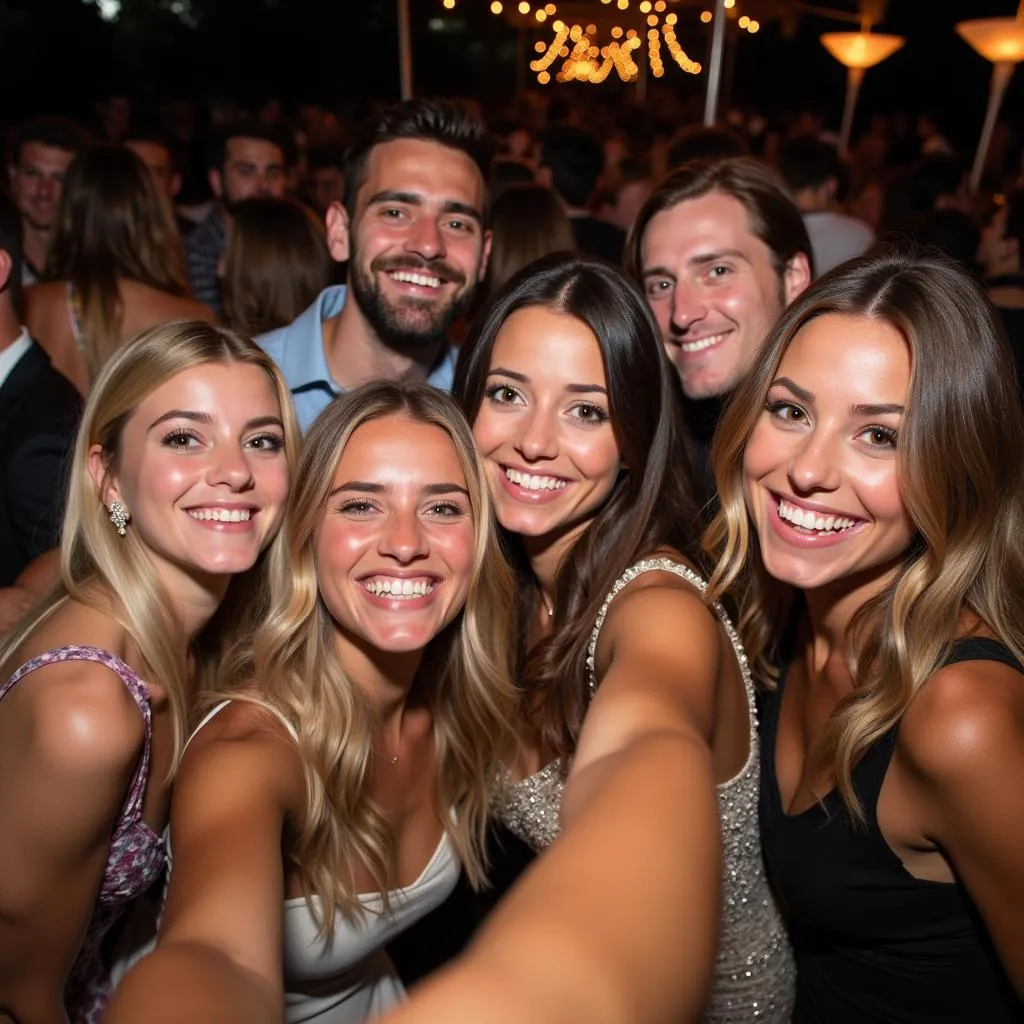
<point x="119" y="516"/>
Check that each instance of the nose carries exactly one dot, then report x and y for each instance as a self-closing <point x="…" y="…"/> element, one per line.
<point x="403" y="537"/>
<point x="539" y="437"/>
<point x="425" y="239"/>
<point x="689" y="306"/>
<point x="46" y="188"/>
<point x="229" y="465"/>
<point x="815" y="465"/>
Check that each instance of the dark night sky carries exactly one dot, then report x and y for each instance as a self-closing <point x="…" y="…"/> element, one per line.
<point x="338" y="51"/>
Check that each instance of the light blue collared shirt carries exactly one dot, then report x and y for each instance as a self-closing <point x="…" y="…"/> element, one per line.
<point x="298" y="350"/>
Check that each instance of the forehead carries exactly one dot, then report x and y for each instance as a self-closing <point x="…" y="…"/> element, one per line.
<point x="397" y="447"/>
<point x="549" y="348"/>
<point x="425" y="168"/>
<point x="255" y="151"/>
<point x="229" y="391"/>
<point x="710" y="223"/>
<point x="853" y="360"/>
<point x="40" y="155"/>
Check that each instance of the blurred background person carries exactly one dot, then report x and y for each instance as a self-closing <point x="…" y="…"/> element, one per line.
<point x="41" y="152"/>
<point x="999" y="255"/>
<point x="527" y="222"/>
<point x="116" y="265"/>
<point x="325" y="177"/>
<point x="276" y="264"/>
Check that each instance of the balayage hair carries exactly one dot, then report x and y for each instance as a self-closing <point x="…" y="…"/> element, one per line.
<point x="113" y="223"/>
<point x="652" y="504"/>
<point x="96" y="562"/>
<point x="293" y="666"/>
<point x="961" y="479"/>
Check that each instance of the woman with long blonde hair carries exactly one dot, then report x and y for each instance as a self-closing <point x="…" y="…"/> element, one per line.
<point x="872" y="521"/>
<point x="116" y="266"/>
<point x="347" y="770"/>
<point x="178" y="483"/>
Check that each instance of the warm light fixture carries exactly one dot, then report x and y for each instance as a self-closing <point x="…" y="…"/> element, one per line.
<point x="857" y="51"/>
<point x="1001" y="41"/>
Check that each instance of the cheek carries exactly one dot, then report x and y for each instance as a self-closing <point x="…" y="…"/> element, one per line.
<point x="339" y="548"/>
<point x="456" y="545"/>
<point x="880" y="492"/>
<point x="598" y="457"/>
<point x="762" y="453"/>
<point x="488" y="431"/>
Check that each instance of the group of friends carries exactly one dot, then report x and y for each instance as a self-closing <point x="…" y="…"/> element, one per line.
<point x="706" y="581"/>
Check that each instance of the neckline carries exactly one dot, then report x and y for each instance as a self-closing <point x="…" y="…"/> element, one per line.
<point x="443" y="845"/>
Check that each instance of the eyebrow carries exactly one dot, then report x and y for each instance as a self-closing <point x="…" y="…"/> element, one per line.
<point x="714" y="257"/>
<point x="574" y="389"/>
<point x="412" y="199"/>
<point x="879" y="409"/>
<point x="206" y="419"/>
<point x="371" y="487"/>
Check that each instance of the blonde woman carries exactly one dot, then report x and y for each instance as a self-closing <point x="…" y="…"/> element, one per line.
<point x="873" y="510"/>
<point x="178" y="483"/>
<point x="116" y="266"/>
<point x="348" y="773"/>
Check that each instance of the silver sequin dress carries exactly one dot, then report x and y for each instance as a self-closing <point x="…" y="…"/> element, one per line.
<point x="754" y="974"/>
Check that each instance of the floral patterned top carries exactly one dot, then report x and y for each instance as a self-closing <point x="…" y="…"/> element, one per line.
<point x="137" y="855"/>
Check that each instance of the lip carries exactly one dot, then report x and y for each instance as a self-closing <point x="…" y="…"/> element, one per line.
<point x="790" y="535"/>
<point x="525" y="495"/>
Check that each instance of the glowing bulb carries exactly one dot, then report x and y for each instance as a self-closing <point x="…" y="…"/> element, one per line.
<point x="616" y="32"/>
<point x="646" y="6"/>
<point x="575" y="32"/>
<point x="539" y="47"/>
<point x="558" y="26"/>
<point x="660" y="5"/>
<point x="449" y="4"/>
<point x="591" y="30"/>
<point x="753" y="26"/>
<point x="705" y="16"/>
<point x="671" y="19"/>
<point x="729" y="4"/>
<point x="524" y="7"/>
<point x="549" y="8"/>
<point x="541" y="15"/>
<point x="744" y="21"/>
<point x="543" y="78"/>
<point x="622" y="4"/>
<point x="496" y="7"/>
<point x="564" y="51"/>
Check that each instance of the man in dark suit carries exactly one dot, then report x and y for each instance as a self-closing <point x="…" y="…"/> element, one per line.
<point x="571" y="163"/>
<point x="39" y="412"/>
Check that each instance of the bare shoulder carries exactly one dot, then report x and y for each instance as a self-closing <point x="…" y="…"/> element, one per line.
<point x="79" y="718"/>
<point x="46" y="312"/>
<point x="146" y="306"/>
<point x="967" y="716"/>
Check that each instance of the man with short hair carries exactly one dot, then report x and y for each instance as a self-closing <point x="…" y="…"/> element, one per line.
<point x="719" y="249"/>
<point x="571" y="164"/>
<point x="412" y="227"/>
<point x="249" y="159"/>
<point x="41" y="152"/>
<point x="812" y="171"/>
<point x="39" y="412"/>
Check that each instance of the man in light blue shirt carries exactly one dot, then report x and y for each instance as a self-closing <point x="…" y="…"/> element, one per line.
<point x="412" y="227"/>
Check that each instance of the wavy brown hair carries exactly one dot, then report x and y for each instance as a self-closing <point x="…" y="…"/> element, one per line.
<point x="652" y="504"/>
<point x="464" y="678"/>
<point x="113" y="223"/>
<point x="961" y="479"/>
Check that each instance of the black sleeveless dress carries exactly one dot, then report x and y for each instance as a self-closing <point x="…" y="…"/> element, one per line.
<point x="872" y="942"/>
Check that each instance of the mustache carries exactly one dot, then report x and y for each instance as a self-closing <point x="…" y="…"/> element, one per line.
<point x="437" y="268"/>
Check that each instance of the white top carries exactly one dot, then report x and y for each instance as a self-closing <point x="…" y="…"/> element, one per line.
<point x="9" y="356"/>
<point x="836" y="238"/>
<point x="351" y="978"/>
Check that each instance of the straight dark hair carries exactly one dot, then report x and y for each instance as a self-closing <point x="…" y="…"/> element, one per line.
<point x="445" y="122"/>
<point x="652" y="504"/>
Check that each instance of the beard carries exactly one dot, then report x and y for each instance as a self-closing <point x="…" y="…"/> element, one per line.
<point x="409" y="324"/>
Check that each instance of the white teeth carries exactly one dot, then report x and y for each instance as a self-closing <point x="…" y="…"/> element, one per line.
<point x="399" y="588"/>
<point x="222" y="515"/>
<point x="423" y="280"/>
<point x="699" y="346"/>
<point x="534" y="483"/>
<point x="809" y="521"/>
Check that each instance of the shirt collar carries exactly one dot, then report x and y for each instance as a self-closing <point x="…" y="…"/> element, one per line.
<point x="11" y="355"/>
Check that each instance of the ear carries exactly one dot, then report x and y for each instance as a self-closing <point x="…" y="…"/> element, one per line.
<point x="339" y="240"/>
<point x="175" y="185"/>
<point x="99" y="470"/>
<point x="6" y="265"/>
<point x="796" y="277"/>
<point x="216" y="180"/>
<point x="485" y="255"/>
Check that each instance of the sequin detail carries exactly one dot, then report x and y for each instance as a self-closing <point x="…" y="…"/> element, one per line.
<point x="137" y="855"/>
<point x="754" y="974"/>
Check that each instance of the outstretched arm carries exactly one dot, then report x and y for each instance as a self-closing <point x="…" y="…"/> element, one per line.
<point x="218" y="958"/>
<point x="618" y="921"/>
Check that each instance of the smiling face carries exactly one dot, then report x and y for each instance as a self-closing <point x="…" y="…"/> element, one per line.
<point x="202" y="471"/>
<point x="544" y="427"/>
<point x="37" y="181"/>
<point x="714" y="290"/>
<point x="820" y="470"/>
<point x="395" y="547"/>
<point x="418" y="248"/>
